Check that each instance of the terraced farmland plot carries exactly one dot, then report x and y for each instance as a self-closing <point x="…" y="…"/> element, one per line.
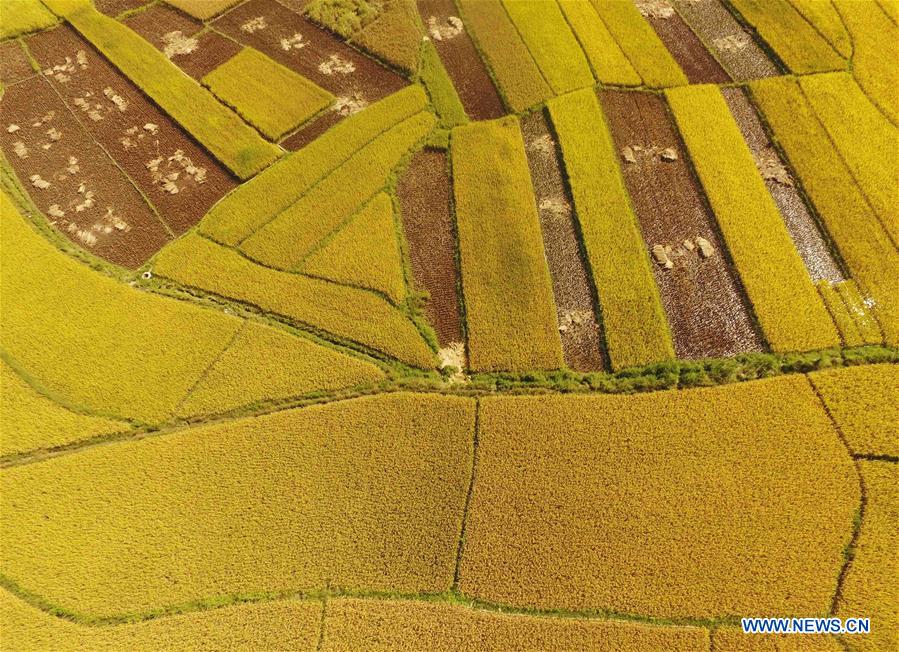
<point x="14" y="63"/>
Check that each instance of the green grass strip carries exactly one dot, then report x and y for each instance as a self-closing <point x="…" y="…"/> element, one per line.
<point x="293" y="234"/>
<point x="789" y="309"/>
<point x="636" y="329"/>
<point x="862" y="241"/>
<point x="609" y="63"/>
<point x="640" y="44"/>
<point x="518" y="77"/>
<point x="794" y="40"/>
<point x="254" y="203"/>
<point x="510" y="313"/>
<point x="440" y="87"/>
<point x="233" y="142"/>
<point x="551" y="43"/>
<point x="272" y="98"/>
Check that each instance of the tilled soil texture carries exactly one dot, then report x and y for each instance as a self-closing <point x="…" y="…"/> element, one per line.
<point x="165" y="27"/>
<point x="311" y="130"/>
<point x="424" y="194"/>
<point x="72" y="181"/>
<point x="461" y="59"/>
<point x="732" y="45"/>
<point x="800" y="223"/>
<point x="14" y="64"/>
<point x="320" y="56"/>
<point x="212" y="50"/>
<point x="575" y="307"/>
<point x="180" y="179"/>
<point x="706" y="308"/>
<point x="689" y="52"/>
<point x="115" y="7"/>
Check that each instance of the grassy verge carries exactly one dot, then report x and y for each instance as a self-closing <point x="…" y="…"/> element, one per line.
<point x="608" y="61"/>
<point x="510" y="313"/>
<point x="789" y="309"/>
<point x="636" y="329"/>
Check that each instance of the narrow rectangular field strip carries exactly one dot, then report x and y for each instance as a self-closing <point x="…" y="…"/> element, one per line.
<point x="609" y="64"/>
<point x="789" y="310"/>
<point x="272" y="98"/>
<point x="551" y="43"/>
<point x="216" y="127"/>
<point x="862" y="241"/>
<point x="633" y="319"/>
<point x="508" y="293"/>
<point x="254" y="203"/>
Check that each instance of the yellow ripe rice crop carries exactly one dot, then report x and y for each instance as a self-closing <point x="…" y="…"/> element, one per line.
<point x="101" y="345"/>
<point x="394" y="35"/>
<point x="789" y="310"/>
<point x="732" y="639"/>
<point x="861" y="314"/>
<point x="876" y="41"/>
<point x="365" y="253"/>
<point x="244" y="374"/>
<point x="826" y="20"/>
<point x="293" y="234"/>
<point x="519" y="79"/>
<point x="859" y="236"/>
<point x="237" y="145"/>
<point x="23" y="17"/>
<point x="551" y="43"/>
<point x="365" y="494"/>
<point x="277" y="625"/>
<point x="661" y="504"/>
<point x="345" y="17"/>
<point x="865" y="139"/>
<point x="636" y="37"/>
<point x="840" y="314"/>
<point x="346" y="312"/>
<point x="353" y="624"/>
<point x="870" y="585"/>
<point x="440" y="87"/>
<point x="272" y="98"/>
<point x="510" y="313"/>
<point x="29" y="420"/>
<point x="794" y="39"/>
<point x="863" y="402"/>
<point x="202" y="9"/>
<point x="609" y="63"/>
<point x="636" y="329"/>
<point x="252" y="204"/>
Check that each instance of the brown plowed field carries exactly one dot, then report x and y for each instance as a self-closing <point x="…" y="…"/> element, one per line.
<point x="177" y="175"/>
<point x="315" y="53"/>
<point x="88" y="198"/>
<point x="689" y="52"/>
<point x="575" y="309"/>
<point x="156" y="22"/>
<point x="213" y="50"/>
<point x="14" y="64"/>
<point x="424" y="194"/>
<point x="312" y="130"/>
<point x="708" y="314"/>
<point x="461" y="60"/>
<point x="726" y="39"/>
<point x="802" y="226"/>
<point x="115" y="7"/>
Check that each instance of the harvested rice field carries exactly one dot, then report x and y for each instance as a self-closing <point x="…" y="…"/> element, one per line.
<point x="478" y="325"/>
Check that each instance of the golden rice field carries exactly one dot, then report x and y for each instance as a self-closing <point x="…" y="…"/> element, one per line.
<point x="454" y="325"/>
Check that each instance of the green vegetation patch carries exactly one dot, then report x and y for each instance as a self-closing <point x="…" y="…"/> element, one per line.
<point x="233" y="142"/>
<point x="346" y="17"/>
<point x="609" y="63"/>
<point x="789" y="309"/>
<point x="254" y="203"/>
<point x="862" y="241"/>
<point x="292" y="235"/>
<point x="519" y="79"/>
<point x="792" y="37"/>
<point x="440" y="87"/>
<point x="551" y="43"/>
<point x="348" y="313"/>
<point x="642" y="46"/>
<point x="272" y="98"/>
<point x="23" y="17"/>
<point x="510" y="313"/>
<point x="636" y="329"/>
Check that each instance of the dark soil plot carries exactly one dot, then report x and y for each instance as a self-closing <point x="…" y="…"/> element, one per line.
<point x="294" y="41"/>
<point x="72" y="181"/>
<point x="311" y="130"/>
<point x="14" y="64"/>
<point x="575" y="308"/>
<point x="115" y="7"/>
<point x="424" y="194"/>
<point x="732" y="45"/>
<point x="177" y="175"/>
<point x="708" y="314"/>
<point x="800" y="223"/>
<point x="461" y="59"/>
<point x="212" y="50"/>
<point x="166" y="28"/>
<point x="689" y="52"/>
